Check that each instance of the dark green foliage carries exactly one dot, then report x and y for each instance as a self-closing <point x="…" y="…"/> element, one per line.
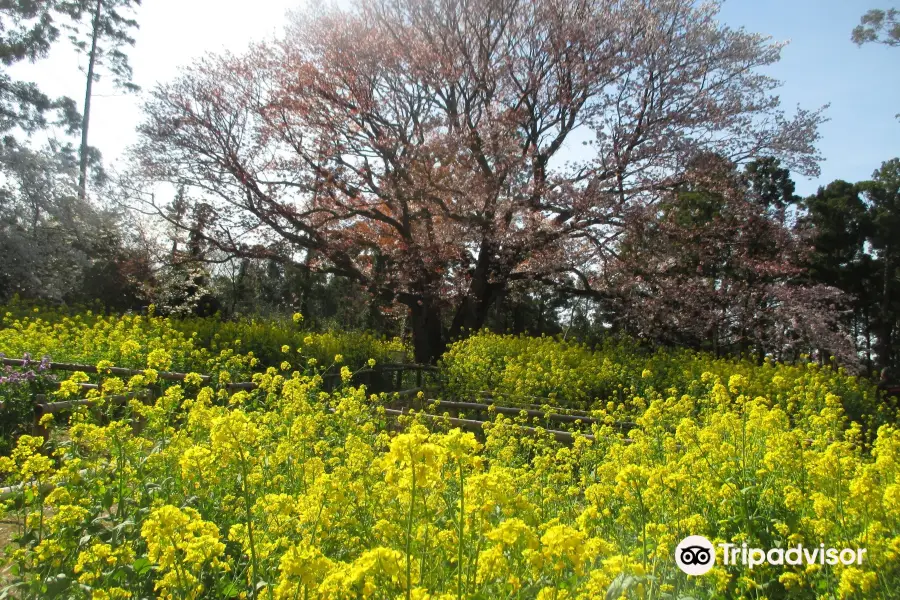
<point x="883" y="195"/>
<point x="28" y="28"/>
<point x="853" y="232"/>
<point x="881" y="26"/>
<point x="840" y="224"/>
<point x="771" y="185"/>
<point x="100" y="29"/>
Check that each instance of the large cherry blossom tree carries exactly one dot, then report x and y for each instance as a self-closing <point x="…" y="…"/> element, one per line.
<point x="439" y="151"/>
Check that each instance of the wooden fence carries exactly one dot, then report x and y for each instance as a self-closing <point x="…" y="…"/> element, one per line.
<point x="383" y="378"/>
<point x="389" y="372"/>
<point x="389" y="378"/>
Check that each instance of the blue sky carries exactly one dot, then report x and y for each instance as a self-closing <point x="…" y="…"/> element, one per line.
<point x="820" y="66"/>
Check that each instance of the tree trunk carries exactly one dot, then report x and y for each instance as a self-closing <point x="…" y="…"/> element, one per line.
<point x="374" y="317"/>
<point x="238" y="287"/>
<point x="540" y="319"/>
<point x="473" y="311"/>
<point x="885" y="347"/>
<point x="867" y="324"/>
<point x="428" y="339"/>
<point x="86" y="117"/>
<point x="471" y="315"/>
<point x="306" y="285"/>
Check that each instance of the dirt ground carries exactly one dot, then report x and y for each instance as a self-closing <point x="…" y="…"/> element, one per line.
<point x="7" y="530"/>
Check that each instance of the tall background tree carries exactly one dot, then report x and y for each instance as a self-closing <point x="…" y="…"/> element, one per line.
<point x="883" y="195"/>
<point x="100" y="31"/>
<point x="58" y="246"/>
<point x="852" y="229"/>
<point x="416" y="147"/>
<point x="28" y="29"/>
<point x="836" y="223"/>
<point x="879" y="26"/>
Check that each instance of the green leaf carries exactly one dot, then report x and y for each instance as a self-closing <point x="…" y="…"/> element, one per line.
<point x="225" y="588"/>
<point x="621" y="584"/>
<point x="142" y="566"/>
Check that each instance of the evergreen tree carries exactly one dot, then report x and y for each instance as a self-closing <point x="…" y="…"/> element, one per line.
<point x="837" y="225"/>
<point x="28" y="29"/>
<point x="883" y="195"/>
<point x="100" y="31"/>
<point x="879" y="26"/>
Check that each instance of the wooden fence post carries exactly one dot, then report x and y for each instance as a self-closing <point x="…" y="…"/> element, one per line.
<point x="39" y="429"/>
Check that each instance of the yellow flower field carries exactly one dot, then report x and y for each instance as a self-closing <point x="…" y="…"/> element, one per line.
<point x="289" y="492"/>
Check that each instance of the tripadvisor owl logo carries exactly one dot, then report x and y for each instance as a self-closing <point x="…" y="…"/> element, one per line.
<point x="695" y="555"/>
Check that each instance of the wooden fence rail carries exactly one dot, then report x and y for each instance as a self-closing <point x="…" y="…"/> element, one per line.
<point x="42" y="407"/>
<point x="544" y="402"/>
<point x="391" y="374"/>
<point x="566" y="437"/>
<point x="530" y="412"/>
<point x="58" y="366"/>
<point x="398" y="368"/>
<point x="393" y="371"/>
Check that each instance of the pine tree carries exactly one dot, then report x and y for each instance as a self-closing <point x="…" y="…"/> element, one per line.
<point x="100" y="30"/>
<point x="28" y="29"/>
